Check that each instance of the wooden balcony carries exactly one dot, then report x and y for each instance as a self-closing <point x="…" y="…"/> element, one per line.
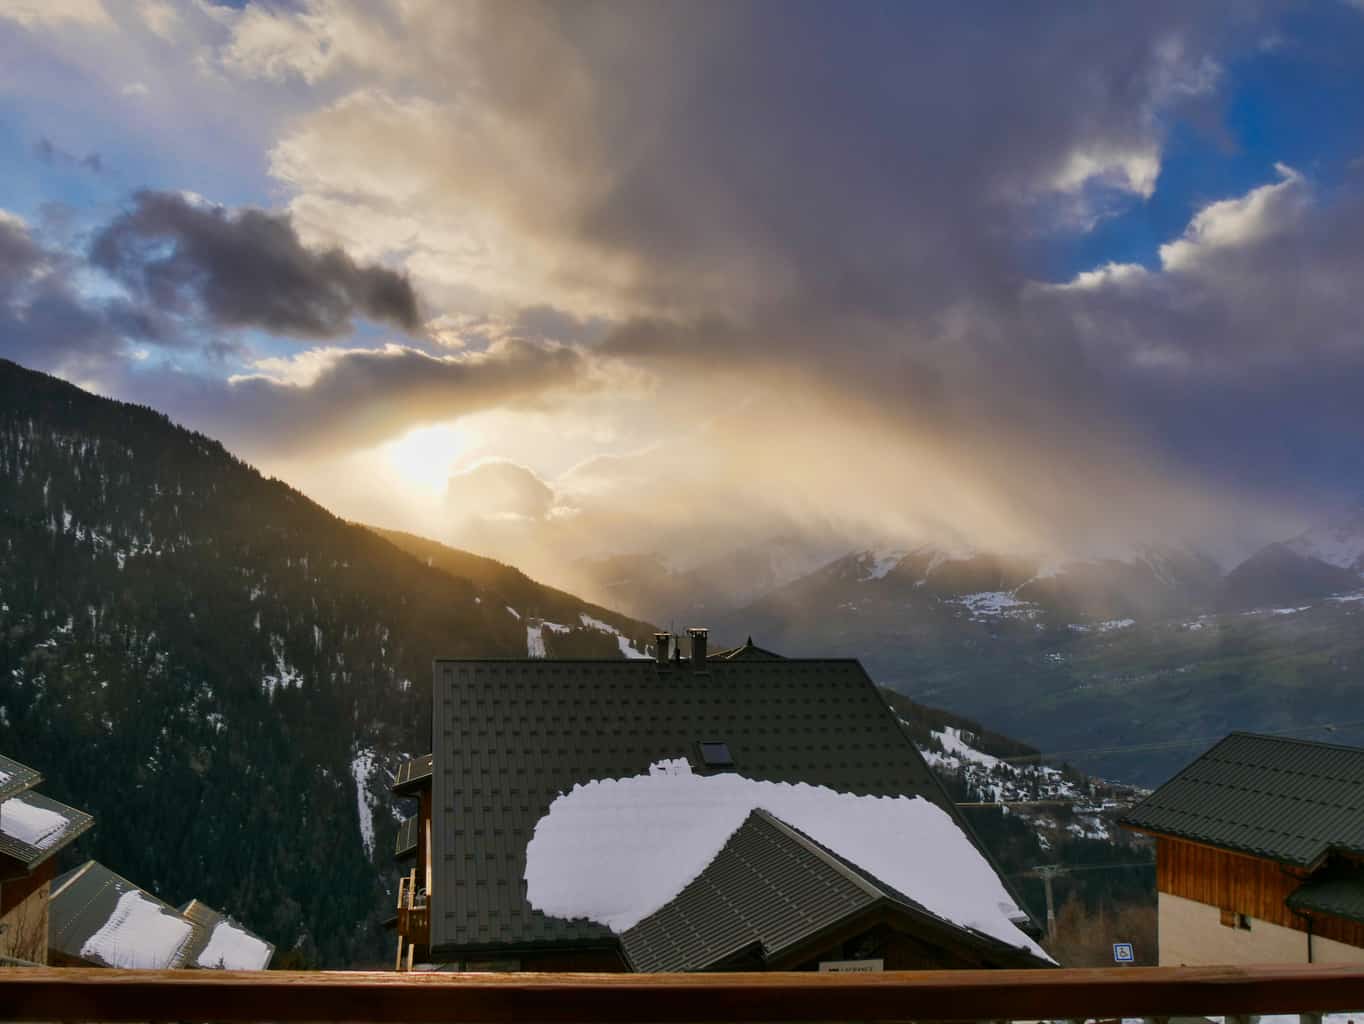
<point x="86" y="994"/>
<point x="414" y="920"/>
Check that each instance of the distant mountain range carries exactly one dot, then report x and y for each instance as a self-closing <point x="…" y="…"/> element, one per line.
<point x="1074" y="655"/>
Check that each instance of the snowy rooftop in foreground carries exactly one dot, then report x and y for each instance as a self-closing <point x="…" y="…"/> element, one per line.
<point x="39" y="827"/>
<point x="140" y="933"/>
<point x="232" y="948"/>
<point x="617" y="850"/>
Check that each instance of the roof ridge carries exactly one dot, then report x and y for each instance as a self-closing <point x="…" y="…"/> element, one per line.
<point x="1279" y="738"/>
<point x="854" y="872"/>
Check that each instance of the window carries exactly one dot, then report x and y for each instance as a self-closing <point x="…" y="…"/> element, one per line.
<point x="715" y="754"/>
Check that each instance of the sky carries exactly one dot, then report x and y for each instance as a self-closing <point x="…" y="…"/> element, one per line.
<point x="559" y="281"/>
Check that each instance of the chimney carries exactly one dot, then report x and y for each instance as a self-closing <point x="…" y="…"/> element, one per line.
<point x="662" y="641"/>
<point x="698" y="636"/>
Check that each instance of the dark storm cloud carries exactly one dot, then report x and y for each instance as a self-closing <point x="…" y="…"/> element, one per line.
<point x="246" y="268"/>
<point x="44" y="322"/>
<point x="865" y="161"/>
<point x="361" y="397"/>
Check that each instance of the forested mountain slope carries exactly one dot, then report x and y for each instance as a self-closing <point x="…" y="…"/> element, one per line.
<point x="218" y="668"/>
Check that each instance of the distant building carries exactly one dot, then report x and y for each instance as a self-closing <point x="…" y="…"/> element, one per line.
<point x="741" y="811"/>
<point x="100" y="919"/>
<point x="1260" y="854"/>
<point x="33" y="829"/>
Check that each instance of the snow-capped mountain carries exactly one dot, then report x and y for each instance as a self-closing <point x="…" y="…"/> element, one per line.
<point x="1339" y="543"/>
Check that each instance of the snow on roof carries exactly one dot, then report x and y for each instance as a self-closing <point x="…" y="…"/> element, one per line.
<point x="232" y="948"/>
<point x="39" y="827"/>
<point x="617" y="850"/>
<point x="140" y="933"/>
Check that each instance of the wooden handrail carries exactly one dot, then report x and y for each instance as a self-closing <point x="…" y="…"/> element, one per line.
<point x="91" y="994"/>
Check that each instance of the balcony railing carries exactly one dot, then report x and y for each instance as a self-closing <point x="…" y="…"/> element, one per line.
<point x="86" y="994"/>
<point x="414" y="920"/>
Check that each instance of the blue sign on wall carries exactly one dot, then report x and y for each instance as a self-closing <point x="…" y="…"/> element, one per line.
<point x="1122" y="953"/>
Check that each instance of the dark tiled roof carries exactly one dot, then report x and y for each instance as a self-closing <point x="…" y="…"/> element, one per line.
<point x="1286" y="800"/>
<point x="769" y="887"/>
<point x="772" y="889"/>
<point x="513" y="735"/>
<point x="748" y="651"/>
<point x="408" y="834"/>
<point x="206" y="920"/>
<point x="1340" y="895"/>
<point x="16" y="777"/>
<point x="12" y="841"/>
<point x="85" y="904"/>
<point x="412" y="773"/>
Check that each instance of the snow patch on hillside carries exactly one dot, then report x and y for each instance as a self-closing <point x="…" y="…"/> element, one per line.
<point x="535" y="637"/>
<point x="361" y="766"/>
<point x="627" y="649"/>
<point x="877" y="565"/>
<point x="284" y="675"/>
<point x="996" y="604"/>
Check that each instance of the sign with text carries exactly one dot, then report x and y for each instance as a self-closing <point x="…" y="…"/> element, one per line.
<point x="1122" y="953"/>
<point x="851" y="966"/>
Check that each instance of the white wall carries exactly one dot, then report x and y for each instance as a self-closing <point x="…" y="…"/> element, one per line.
<point x="1192" y="934"/>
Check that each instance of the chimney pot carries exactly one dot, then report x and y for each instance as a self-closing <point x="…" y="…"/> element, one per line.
<point x="698" y="635"/>
<point x="662" y="643"/>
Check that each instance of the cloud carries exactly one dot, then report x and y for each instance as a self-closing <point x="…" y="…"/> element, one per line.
<point x="56" y="13"/>
<point x="44" y="320"/>
<point x="338" y="399"/>
<point x="498" y="489"/>
<point x="1229" y="224"/>
<point x="50" y="153"/>
<point x="245" y="268"/>
<point x="587" y="160"/>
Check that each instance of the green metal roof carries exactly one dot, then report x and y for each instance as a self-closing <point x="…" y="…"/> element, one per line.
<point x="1341" y="895"/>
<point x="771" y="890"/>
<point x="16" y="777"/>
<point x="747" y="651"/>
<point x="90" y="920"/>
<point x="253" y="954"/>
<point x="409" y="833"/>
<point x="512" y="735"/>
<point x="1283" y="799"/>
<point x="34" y="827"/>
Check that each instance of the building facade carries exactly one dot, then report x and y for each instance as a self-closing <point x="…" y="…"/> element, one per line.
<point x="1260" y="854"/>
<point x="510" y="737"/>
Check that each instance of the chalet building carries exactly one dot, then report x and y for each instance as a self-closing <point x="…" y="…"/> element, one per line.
<point x="730" y="811"/>
<point x="1260" y="854"/>
<point x="100" y="919"/>
<point x="33" y="829"/>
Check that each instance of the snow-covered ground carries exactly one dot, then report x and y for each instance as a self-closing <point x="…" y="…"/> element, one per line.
<point x="996" y="604"/>
<point x="877" y="565"/>
<point x="535" y="637"/>
<point x="285" y="674"/>
<point x="994" y="780"/>
<point x="361" y="767"/>
<point x="617" y="850"/>
<point x="627" y="649"/>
